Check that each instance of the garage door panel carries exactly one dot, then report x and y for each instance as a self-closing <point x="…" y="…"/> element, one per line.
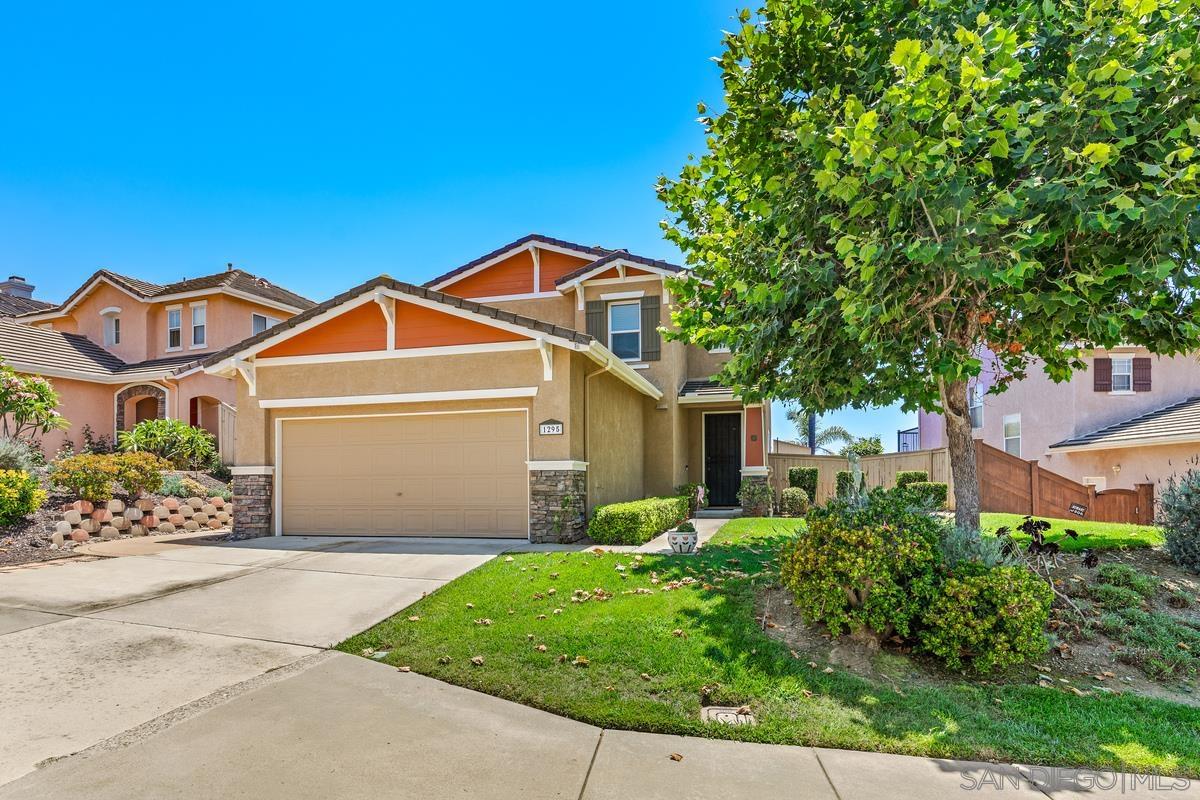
<point x="417" y="475"/>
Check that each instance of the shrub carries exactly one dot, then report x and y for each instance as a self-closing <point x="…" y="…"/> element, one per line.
<point x="988" y="619"/>
<point x="871" y="564"/>
<point x="220" y="470"/>
<point x="756" y="497"/>
<point x="927" y="494"/>
<point x="176" y="441"/>
<point x="16" y="454"/>
<point x="685" y="527"/>
<point x="793" y="502"/>
<point x="19" y="495"/>
<point x="1125" y="575"/>
<point x="1179" y="517"/>
<point x="140" y="473"/>
<point x="638" y="521"/>
<point x="804" y="478"/>
<point x="906" y="476"/>
<point x="844" y="483"/>
<point x="697" y="495"/>
<point x="88" y="477"/>
<point x="96" y="444"/>
<point x="1114" y="598"/>
<point x="961" y="545"/>
<point x="183" y="486"/>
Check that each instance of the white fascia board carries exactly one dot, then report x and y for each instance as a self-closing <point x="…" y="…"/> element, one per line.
<point x="409" y="352"/>
<point x="693" y="399"/>
<point x="499" y="298"/>
<point x="605" y="357"/>
<point x="70" y="374"/>
<point x="509" y="253"/>
<point x="1187" y="438"/>
<point x="446" y="308"/>
<point x="404" y="397"/>
<point x="619" y="264"/>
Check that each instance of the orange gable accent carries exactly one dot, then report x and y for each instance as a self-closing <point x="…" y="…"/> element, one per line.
<point x="555" y="265"/>
<point x="513" y="275"/>
<point x="418" y="326"/>
<point x="359" y="329"/>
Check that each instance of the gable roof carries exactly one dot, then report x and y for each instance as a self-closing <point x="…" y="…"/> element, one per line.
<point x="582" y="249"/>
<point x="1179" y="422"/>
<point x="534" y="326"/>
<point x="233" y="280"/>
<point x="613" y="258"/>
<point x="48" y="352"/>
<point x="11" y="305"/>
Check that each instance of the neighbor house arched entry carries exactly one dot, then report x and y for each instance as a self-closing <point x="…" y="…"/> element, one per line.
<point x="140" y="402"/>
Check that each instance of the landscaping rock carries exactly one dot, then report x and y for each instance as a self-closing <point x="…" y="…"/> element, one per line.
<point x="120" y="523"/>
<point x="162" y="512"/>
<point x="191" y="525"/>
<point x="200" y="518"/>
<point x="83" y="506"/>
<point x="223" y="517"/>
<point x="219" y="502"/>
<point x="72" y="517"/>
<point x="133" y="513"/>
<point x="195" y="502"/>
<point x="102" y="515"/>
<point x="138" y="530"/>
<point x="145" y="504"/>
<point x="80" y="535"/>
<point x="215" y="524"/>
<point x="109" y="532"/>
<point x="58" y="537"/>
<point x="62" y="528"/>
<point x="165" y="527"/>
<point x="209" y="509"/>
<point x="89" y="525"/>
<point x="186" y="511"/>
<point x="176" y="519"/>
<point x="171" y="503"/>
<point x="116" y="506"/>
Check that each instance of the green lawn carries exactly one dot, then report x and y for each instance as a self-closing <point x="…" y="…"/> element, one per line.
<point x="1093" y="535"/>
<point x="660" y="632"/>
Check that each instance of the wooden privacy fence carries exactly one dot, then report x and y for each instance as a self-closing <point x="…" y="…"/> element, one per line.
<point x="1008" y="483"/>
<point x="877" y="470"/>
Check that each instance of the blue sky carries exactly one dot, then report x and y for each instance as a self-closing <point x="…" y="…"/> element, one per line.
<point x="321" y="145"/>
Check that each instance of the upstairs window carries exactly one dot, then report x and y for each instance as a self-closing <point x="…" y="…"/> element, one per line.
<point x="260" y="322"/>
<point x="174" y="328"/>
<point x="112" y="326"/>
<point x="625" y="330"/>
<point x="975" y="405"/>
<point x="1122" y="373"/>
<point x="1012" y="435"/>
<point x="199" y="326"/>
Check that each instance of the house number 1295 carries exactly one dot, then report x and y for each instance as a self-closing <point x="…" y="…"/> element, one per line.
<point x="550" y="428"/>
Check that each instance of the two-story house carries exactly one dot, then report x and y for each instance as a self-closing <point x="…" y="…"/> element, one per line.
<point x="1130" y="417"/>
<point x="507" y="397"/>
<point x="120" y="350"/>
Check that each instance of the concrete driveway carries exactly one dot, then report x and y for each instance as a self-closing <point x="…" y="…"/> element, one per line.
<point x="90" y="649"/>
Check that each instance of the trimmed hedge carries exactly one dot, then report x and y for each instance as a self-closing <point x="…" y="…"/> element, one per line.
<point x="844" y="483"/>
<point x="929" y="494"/>
<point x="637" y="521"/>
<point x="906" y="476"/>
<point x="804" y="478"/>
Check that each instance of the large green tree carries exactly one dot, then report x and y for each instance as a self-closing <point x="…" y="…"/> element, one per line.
<point x="894" y="186"/>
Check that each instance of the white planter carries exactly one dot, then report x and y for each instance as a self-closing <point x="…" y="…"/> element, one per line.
<point x="682" y="541"/>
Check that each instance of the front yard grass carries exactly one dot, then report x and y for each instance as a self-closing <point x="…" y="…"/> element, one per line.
<point x="617" y="642"/>
<point x="1092" y="535"/>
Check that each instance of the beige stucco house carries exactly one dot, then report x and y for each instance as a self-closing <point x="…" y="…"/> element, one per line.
<point x="120" y="350"/>
<point x="508" y="397"/>
<point x="1131" y="417"/>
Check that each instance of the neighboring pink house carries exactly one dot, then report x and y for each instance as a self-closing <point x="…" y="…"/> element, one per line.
<point x="1130" y="417"/>
<point x="119" y="350"/>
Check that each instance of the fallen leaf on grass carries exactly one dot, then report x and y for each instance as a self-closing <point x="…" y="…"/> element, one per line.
<point x="509" y="559"/>
<point x="541" y="648"/>
<point x="470" y="605"/>
<point x="828" y="670"/>
<point x="414" y="619"/>
<point x="444" y="660"/>
<point x="806" y="692"/>
<point x="485" y="621"/>
<point x="581" y="661"/>
<point x="477" y="660"/>
<point x="675" y="757"/>
<point x="404" y="669"/>
<point x="677" y="632"/>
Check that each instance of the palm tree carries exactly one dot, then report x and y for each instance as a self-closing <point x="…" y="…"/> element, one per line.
<point x="817" y="440"/>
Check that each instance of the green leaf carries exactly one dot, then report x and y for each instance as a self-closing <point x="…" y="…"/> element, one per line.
<point x="1098" y="152"/>
<point x="905" y="53"/>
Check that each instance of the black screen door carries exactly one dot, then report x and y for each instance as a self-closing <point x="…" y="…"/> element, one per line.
<point x="722" y="457"/>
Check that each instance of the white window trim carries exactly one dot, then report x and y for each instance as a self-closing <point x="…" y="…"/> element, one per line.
<point x="270" y="321"/>
<point x="975" y="400"/>
<point x="192" y="325"/>
<point x="719" y="351"/>
<point x="608" y="310"/>
<point x="177" y="348"/>
<point x="1005" y="437"/>
<point x="111" y="324"/>
<point x="1124" y="360"/>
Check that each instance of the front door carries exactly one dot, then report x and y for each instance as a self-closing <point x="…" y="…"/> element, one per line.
<point x="723" y="457"/>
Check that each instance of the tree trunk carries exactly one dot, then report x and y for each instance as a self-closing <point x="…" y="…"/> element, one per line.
<point x="962" y="454"/>
<point x="812" y="433"/>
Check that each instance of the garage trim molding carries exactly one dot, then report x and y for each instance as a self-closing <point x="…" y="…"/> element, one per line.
<point x="277" y="483"/>
<point x="405" y="397"/>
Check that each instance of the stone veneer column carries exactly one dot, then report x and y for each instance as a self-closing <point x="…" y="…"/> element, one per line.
<point x="557" y="505"/>
<point x="253" y="500"/>
<point x="757" y="475"/>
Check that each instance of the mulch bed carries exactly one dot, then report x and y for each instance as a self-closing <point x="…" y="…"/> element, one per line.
<point x="28" y="541"/>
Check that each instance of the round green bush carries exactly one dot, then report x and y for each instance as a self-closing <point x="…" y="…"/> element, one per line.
<point x="793" y="502"/>
<point x="987" y="619"/>
<point x="17" y="454"/>
<point x="1179" y="518"/>
<point x="872" y="564"/>
<point x="20" y="495"/>
<point x="906" y="476"/>
<point x="927" y="494"/>
<point x="804" y="478"/>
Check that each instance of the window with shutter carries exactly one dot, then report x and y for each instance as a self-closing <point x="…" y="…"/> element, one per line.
<point x="1141" y="374"/>
<point x="597" y="326"/>
<point x="651" y="338"/>
<point x="1102" y="375"/>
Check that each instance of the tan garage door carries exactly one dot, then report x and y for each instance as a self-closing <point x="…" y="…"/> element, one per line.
<point x="426" y="475"/>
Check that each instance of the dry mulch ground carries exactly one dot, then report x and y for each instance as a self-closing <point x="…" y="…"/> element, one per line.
<point x="29" y="540"/>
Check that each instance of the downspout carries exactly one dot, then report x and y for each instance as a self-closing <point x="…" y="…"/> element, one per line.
<point x="587" y="423"/>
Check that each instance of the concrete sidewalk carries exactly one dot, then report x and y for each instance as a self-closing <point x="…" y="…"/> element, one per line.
<point x="334" y="725"/>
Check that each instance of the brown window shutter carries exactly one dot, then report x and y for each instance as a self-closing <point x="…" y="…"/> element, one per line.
<point x="1102" y="375"/>
<point x="1141" y="374"/>
<point x="597" y="325"/>
<point x="651" y="338"/>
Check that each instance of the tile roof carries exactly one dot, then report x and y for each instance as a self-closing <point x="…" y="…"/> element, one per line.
<point x="387" y="282"/>
<point x="532" y="237"/>
<point x="1176" y="421"/>
<point x="10" y="305"/>
<point x="235" y="279"/>
<point x="704" y="388"/>
<point x="39" y="349"/>
<point x="618" y="255"/>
